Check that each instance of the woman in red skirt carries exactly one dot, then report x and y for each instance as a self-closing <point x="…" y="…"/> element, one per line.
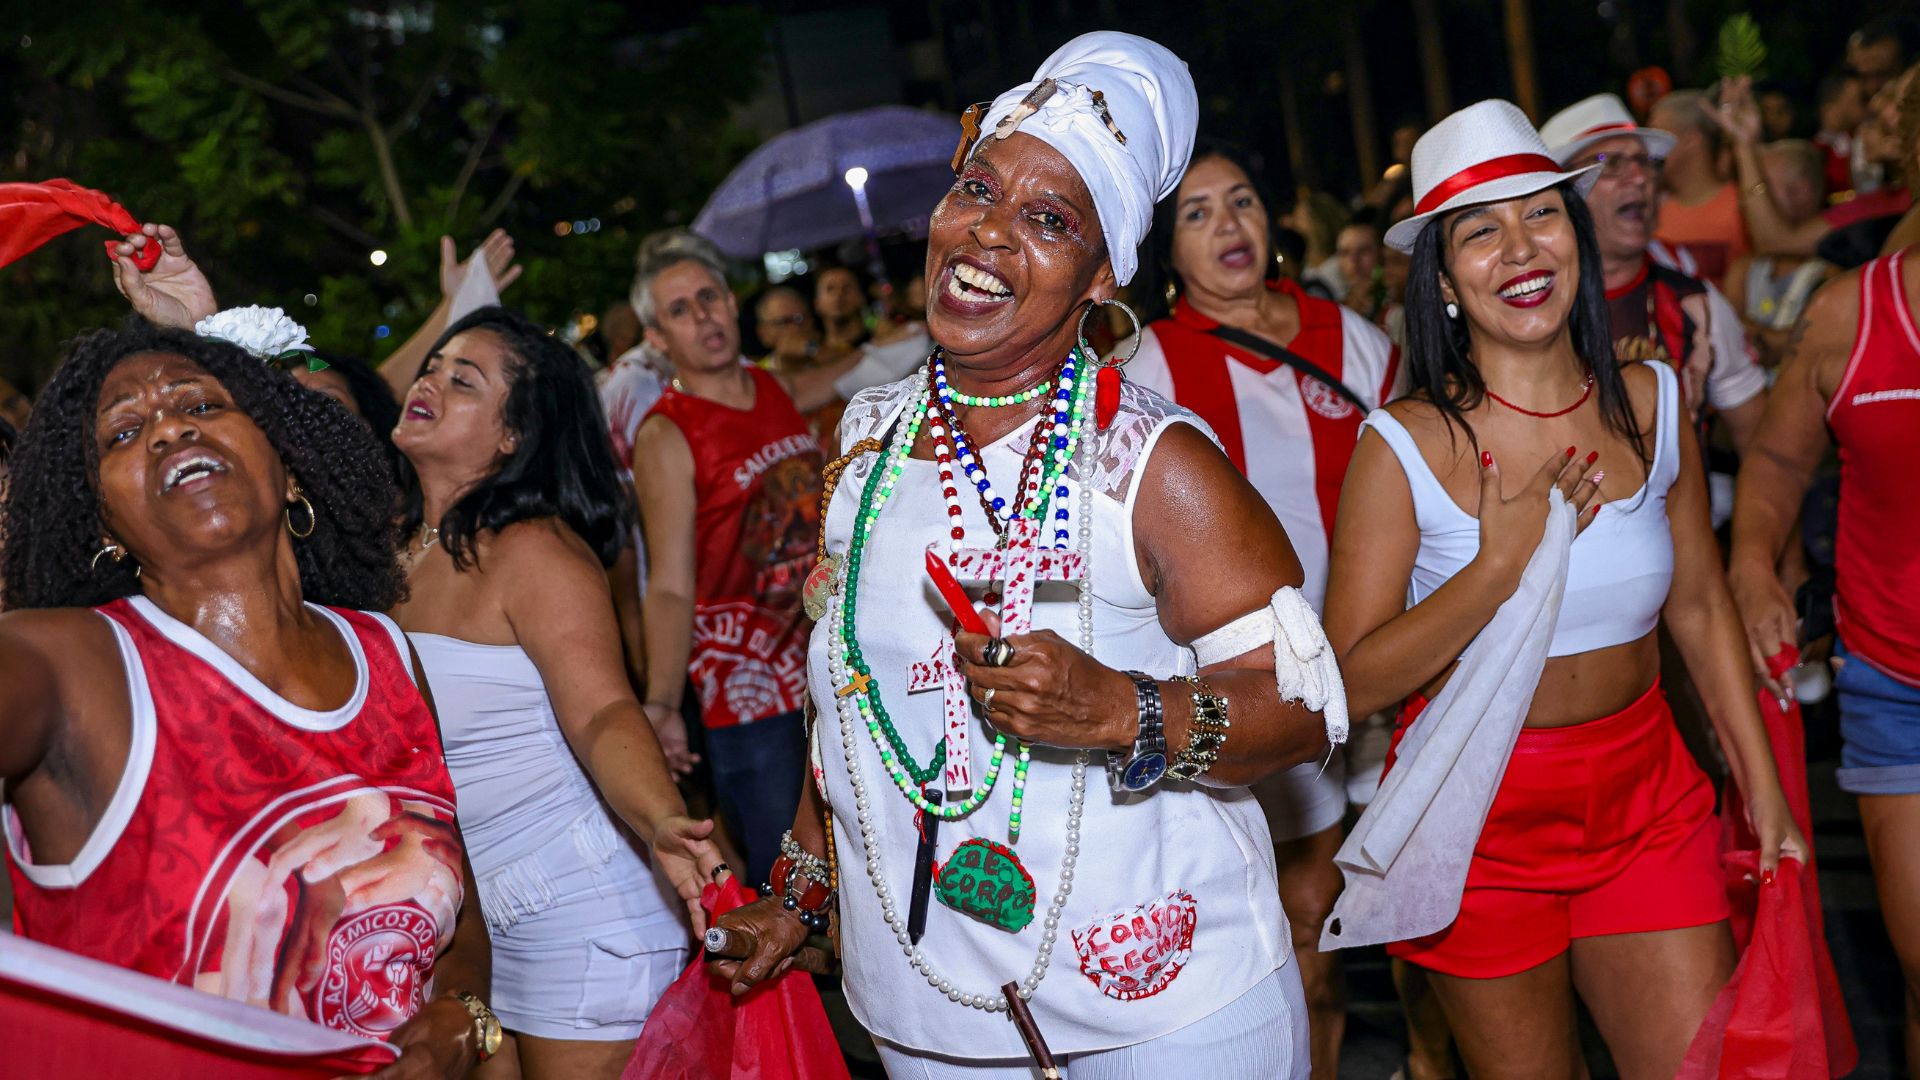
<point x="1596" y="871"/>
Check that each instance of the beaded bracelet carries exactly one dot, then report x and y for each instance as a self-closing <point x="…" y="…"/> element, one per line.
<point x="809" y="864"/>
<point x="1206" y="735"/>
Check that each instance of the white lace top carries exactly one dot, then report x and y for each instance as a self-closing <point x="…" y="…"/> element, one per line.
<point x="1173" y="912"/>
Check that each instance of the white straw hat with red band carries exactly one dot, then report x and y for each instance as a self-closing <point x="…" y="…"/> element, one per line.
<point x="1484" y="153"/>
<point x="1574" y="129"/>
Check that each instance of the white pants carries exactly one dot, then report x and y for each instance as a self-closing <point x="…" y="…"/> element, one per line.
<point x="1260" y="1036"/>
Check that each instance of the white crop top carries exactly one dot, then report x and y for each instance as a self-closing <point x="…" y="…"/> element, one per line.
<point x="1621" y="567"/>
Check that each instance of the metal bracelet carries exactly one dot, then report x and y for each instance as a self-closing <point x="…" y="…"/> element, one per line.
<point x="1207" y="736"/>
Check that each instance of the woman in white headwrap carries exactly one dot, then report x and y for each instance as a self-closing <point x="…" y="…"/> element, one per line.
<point x="1095" y="844"/>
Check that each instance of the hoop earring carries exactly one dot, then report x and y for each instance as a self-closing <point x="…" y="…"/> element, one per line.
<point x="113" y="548"/>
<point x="1453" y="310"/>
<point x="1080" y="334"/>
<point x="313" y="519"/>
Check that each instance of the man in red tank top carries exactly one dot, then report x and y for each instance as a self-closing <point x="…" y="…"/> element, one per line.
<point x="1853" y="369"/>
<point x="728" y="480"/>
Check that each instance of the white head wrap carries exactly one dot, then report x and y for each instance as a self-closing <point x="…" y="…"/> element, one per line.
<point x="1150" y="99"/>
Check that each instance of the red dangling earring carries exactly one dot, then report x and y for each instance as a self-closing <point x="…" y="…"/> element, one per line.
<point x="1106" y="383"/>
<point x="1106" y="396"/>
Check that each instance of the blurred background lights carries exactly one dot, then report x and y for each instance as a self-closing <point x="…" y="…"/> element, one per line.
<point x="377" y="257"/>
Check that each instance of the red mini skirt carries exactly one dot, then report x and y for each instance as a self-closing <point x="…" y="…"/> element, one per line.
<point x="1603" y="827"/>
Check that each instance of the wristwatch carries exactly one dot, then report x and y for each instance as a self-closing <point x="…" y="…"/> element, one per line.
<point x="486" y="1026"/>
<point x="1143" y="766"/>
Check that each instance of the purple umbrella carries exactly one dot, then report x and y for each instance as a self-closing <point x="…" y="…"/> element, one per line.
<point x="793" y="192"/>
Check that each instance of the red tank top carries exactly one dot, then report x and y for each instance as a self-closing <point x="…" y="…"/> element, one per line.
<point x="1875" y="418"/>
<point x="303" y="861"/>
<point x="756" y="479"/>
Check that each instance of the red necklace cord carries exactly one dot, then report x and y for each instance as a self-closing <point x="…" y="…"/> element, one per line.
<point x="1585" y="393"/>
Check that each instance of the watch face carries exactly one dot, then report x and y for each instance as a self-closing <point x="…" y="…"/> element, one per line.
<point x="1143" y="771"/>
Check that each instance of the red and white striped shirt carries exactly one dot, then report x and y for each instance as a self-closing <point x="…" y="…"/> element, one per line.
<point x="1289" y="434"/>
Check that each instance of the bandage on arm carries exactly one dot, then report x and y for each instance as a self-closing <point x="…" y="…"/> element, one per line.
<point x="1304" y="668"/>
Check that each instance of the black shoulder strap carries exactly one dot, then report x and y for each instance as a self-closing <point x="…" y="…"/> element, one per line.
<point x="1253" y="343"/>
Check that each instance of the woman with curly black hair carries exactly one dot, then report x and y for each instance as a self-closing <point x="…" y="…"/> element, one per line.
<point x="200" y="760"/>
<point x="514" y="508"/>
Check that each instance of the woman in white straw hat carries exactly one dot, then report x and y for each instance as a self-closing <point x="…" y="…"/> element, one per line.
<point x="1595" y="871"/>
<point x="1129" y="721"/>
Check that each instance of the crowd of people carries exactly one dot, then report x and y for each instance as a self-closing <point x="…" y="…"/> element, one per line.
<point x="1113" y="586"/>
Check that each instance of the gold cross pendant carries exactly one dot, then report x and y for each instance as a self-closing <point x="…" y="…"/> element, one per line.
<point x="860" y="683"/>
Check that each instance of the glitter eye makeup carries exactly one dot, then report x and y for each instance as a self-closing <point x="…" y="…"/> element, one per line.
<point x="975" y="173"/>
<point x="1069" y="221"/>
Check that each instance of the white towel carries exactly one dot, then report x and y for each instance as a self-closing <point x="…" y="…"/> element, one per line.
<point x="1406" y="861"/>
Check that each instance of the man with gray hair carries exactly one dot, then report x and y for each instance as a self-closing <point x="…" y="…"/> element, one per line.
<point x="727" y="480"/>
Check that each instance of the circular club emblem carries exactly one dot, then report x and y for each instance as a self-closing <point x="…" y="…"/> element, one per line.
<point x="1324" y="399"/>
<point x="378" y="963"/>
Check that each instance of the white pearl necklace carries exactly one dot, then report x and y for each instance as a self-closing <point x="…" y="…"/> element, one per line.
<point x="989" y="1001"/>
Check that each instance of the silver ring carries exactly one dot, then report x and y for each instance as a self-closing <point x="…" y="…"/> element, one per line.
<point x="998" y="653"/>
<point x="986" y="701"/>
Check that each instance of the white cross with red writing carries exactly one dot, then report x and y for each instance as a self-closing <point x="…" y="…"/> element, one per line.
<point x="1018" y="566"/>
<point x="941" y="673"/>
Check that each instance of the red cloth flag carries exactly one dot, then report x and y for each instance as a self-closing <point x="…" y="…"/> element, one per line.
<point x="68" y="1016"/>
<point x="32" y="214"/>
<point x="699" y="1031"/>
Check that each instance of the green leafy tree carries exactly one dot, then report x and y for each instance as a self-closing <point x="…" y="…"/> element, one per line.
<point x="290" y="139"/>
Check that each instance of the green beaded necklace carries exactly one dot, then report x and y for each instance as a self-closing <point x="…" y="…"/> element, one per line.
<point x="995" y="401"/>
<point x="908" y="775"/>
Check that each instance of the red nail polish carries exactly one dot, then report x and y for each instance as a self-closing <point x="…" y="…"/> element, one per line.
<point x="1766" y="877"/>
<point x="1593" y="457"/>
<point x="1486" y="459"/>
<point x="1569" y="451"/>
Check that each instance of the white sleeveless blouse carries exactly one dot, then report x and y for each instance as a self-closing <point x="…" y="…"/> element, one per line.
<point x="1174" y="910"/>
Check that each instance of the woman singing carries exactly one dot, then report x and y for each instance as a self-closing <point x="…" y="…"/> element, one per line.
<point x="1597" y="870"/>
<point x="1232" y="350"/>
<point x="513" y="510"/>
<point x="1079" y="785"/>
<point x="211" y="777"/>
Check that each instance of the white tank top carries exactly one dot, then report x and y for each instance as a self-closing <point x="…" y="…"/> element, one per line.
<point x="1621" y="567"/>
<point x="528" y="810"/>
<point x="1150" y="867"/>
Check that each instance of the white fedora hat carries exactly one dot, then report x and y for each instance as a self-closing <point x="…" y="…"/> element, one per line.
<point x="1596" y="119"/>
<point x="1484" y="153"/>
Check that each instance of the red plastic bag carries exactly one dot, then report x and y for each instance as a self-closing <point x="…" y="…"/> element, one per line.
<point x="699" y="1031"/>
<point x="32" y="214"/>
<point x="1765" y="1024"/>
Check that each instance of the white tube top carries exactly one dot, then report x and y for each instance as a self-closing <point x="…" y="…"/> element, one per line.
<point x="1622" y="565"/>
<point x="526" y="806"/>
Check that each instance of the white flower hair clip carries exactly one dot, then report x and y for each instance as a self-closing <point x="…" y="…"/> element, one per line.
<point x="268" y="333"/>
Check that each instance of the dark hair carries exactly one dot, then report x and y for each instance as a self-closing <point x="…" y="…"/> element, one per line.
<point x="563" y="464"/>
<point x="1899" y="27"/>
<point x="1156" y="272"/>
<point x="1440" y="365"/>
<point x="52" y="523"/>
<point x="1831" y="86"/>
<point x="371" y="394"/>
<point x="7" y="436"/>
